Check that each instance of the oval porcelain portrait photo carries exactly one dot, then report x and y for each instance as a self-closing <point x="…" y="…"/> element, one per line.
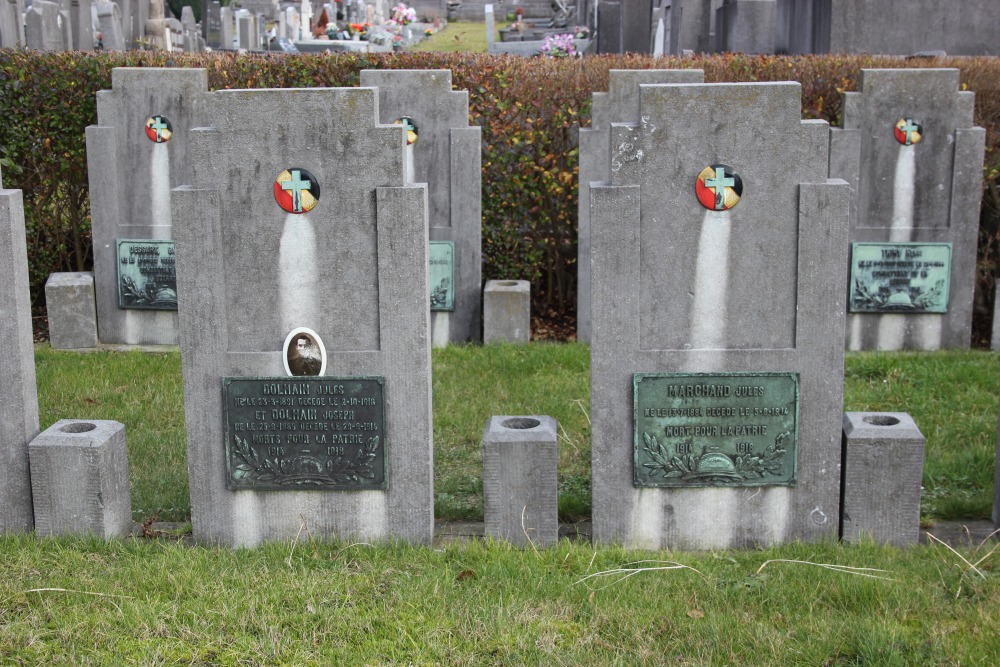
<point x="303" y="353"/>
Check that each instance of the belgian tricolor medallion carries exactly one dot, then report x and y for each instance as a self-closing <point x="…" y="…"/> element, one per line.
<point x="158" y="129"/>
<point x="908" y="131"/>
<point x="411" y="129"/>
<point x="718" y="187"/>
<point x="296" y="190"/>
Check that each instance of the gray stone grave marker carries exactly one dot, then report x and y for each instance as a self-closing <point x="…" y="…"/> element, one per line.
<point x="619" y="105"/>
<point x="914" y="160"/>
<point x="446" y="156"/>
<point x="302" y="249"/>
<point x="19" y="403"/>
<point x="134" y="159"/>
<point x="109" y="17"/>
<point x="41" y="27"/>
<point x="11" y="24"/>
<point x="716" y="363"/>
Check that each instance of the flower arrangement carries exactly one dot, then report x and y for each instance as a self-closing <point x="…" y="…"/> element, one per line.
<point x="428" y="32"/>
<point x="559" y="46"/>
<point x="403" y="15"/>
<point x="582" y="31"/>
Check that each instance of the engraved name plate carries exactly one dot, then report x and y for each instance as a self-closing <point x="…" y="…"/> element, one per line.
<point x="285" y="433"/>
<point x="147" y="275"/>
<point x="715" y="429"/>
<point x="900" y="277"/>
<point x="441" y="275"/>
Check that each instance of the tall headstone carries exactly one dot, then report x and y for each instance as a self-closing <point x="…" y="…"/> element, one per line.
<point x="83" y="25"/>
<point x="619" y="105"/>
<point x="996" y="480"/>
<point x="244" y="30"/>
<point x="446" y="154"/>
<point x="301" y="243"/>
<point x="11" y="24"/>
<point x="226" y="17"/>
<point x="716" y="363"/>
<point x="913" y="156"/>
<point x="41" y="27"/>
<point x="19" y="404"/>
<point x="746" y="26"/>
<point x="137" y="151"/>
<point x="213" y="24"/>
<point x="690" y="26"/>
<point x="109" y="17"/>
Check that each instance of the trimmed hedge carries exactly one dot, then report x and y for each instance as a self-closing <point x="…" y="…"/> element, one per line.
<point x="529" y="109"/>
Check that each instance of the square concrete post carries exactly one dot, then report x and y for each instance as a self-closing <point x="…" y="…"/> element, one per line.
<point x="69" y="301"/>
<point x="507" y="311"/>
<point x="883" y="467"/>
<point x="79" y="478"/>
<point x="520" y="485"/>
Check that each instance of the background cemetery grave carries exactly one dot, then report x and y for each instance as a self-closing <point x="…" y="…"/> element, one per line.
<point x="529" y="179"/>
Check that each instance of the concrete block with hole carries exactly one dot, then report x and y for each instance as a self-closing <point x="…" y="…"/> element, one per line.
<point x="507" y="311"/>
<point x="69" y="302"/>
<point x="883" y="463"/>
<point x="520" y="486"/>
<point x="79" y="479"/>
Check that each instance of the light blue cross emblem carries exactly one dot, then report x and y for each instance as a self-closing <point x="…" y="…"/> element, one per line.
<point x="158" y="125"/>
<point x="907" y="128"/>
<point x="296" y="185"/>
<point x="720" y="183"/>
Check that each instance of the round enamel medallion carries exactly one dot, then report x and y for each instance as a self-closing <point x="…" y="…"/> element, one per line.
<point x="718" y="187"/>
<point x="158" y="129"/>
<point x="296" y="190"/>
<point x="908" y="131"/>
<point x="411" y="129"/>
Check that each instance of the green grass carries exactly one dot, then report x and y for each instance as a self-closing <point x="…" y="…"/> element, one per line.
<point x="141" y="602"/>
<point x="300" y="602"/>
<point x="951" y="395"/>
<point x="463" y="36"/>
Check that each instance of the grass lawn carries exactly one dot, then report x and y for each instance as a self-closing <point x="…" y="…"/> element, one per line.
<point x="464" y="36"/>
<point x="952" y="396"/>
<point x="305" y="602"/>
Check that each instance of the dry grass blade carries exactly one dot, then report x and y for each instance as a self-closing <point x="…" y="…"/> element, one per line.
<point x="846" y="569"/>
<point x="960" y="556"/>
<point x="579" y="402"/>
<point x="624" y="573"/>
<point x="70" y="590"/>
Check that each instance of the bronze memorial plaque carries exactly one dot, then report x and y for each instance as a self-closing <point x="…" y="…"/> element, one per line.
<point x="147" y="274"/>
<point x="295" y="433"/>
<point x="715" y="429"/>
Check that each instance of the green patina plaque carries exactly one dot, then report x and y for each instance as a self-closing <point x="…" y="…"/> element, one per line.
<point x="294" y="433"/>
<point x="900" y="277"/>
<point x="715" y="429"/>
<point x="147" y="276"/>
<point x="441" y="275"/>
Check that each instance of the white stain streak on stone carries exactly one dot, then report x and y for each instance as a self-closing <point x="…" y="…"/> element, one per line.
<point x="159" y="197"/>
<point x="708" y="310"/>
<point x="298" y="273"/>
<point x="647" y="519"/>
<point x="903" y="193"/>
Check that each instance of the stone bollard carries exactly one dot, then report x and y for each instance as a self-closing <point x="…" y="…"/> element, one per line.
<point x="520" y="486"/>
<point x="507" y="311"/>
<point x="79" y="479"/>
<point x="69" y="302"/>
<point x="883" y="461"/>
